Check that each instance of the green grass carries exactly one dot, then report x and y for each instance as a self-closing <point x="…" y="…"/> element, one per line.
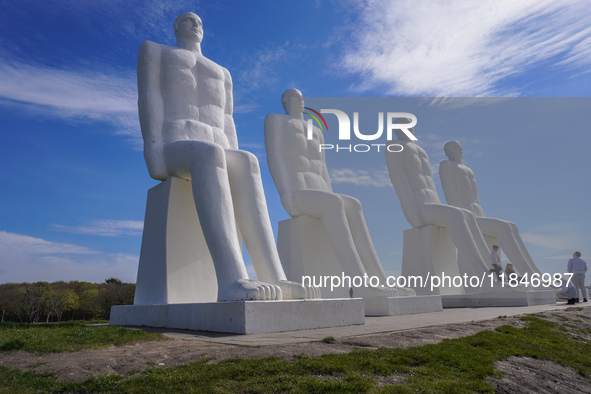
<point x="452" y="366"/>
<point x="66" y="337"/>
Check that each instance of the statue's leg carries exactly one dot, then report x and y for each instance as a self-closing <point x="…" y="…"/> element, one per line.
<point x="205" y="165"/>
<point x="530" y="261"/>
<point x="330" y="208"/>
<point x="455" y="219"/>
<point x="252" y="216"/>
<point x="364" y="244"/>
<point x="508" y="241"/>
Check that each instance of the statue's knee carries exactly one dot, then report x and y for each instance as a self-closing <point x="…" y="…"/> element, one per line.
<point x="244" y="160"/>
<point x="212" y="155"/>
<point x="352" y="203"/>
<point x="334" y="202"/>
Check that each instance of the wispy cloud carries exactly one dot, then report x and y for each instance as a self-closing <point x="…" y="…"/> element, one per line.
<point x="563" y="238"/>
<point x="455" y="48"/>
<point x="72" y="95"/>
<point x="29" y="259"/>
<point x="376" y="178"/>
<point x="107" y="228"/>
<point x="245" y="108"/>
<point x="261" y="70"/>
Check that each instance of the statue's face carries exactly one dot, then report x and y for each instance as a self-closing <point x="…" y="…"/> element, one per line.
<point x="455" y="151"/>
<point x="296" y="102"/>
<point x="459" y="152"/>
<point x="189" y="25"/>
<point x="292" y="101"/>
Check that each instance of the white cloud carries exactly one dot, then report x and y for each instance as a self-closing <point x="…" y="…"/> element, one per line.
<point x="72" y="95"/>
<point x="377" y="178"/>
<point x="563" y="238"/>
<point x="459" y="47"/>
<point x="108" y="228"/>
<point x="261" y="70"/>
<point x="29" y="259"/>
<point x="245" y="108"/>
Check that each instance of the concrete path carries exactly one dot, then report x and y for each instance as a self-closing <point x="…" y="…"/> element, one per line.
<point x="373" y="325"/>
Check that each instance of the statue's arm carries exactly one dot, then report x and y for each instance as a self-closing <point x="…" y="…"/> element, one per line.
<point x="475" y="203"/>
<point x="403" y="187"/>
<point x="229" y="126"/>
<point x="450" y="188"/>
<point x="151" y="107"/>
<point x="277" y="161"/>
<point x="325" y="174"/>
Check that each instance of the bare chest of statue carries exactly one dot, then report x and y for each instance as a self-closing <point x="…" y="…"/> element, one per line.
<point x="306" y="159"/>
<point x="194" y="97"/>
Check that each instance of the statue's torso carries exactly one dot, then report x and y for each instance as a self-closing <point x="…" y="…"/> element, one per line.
<point x="419" y="175"/>
<point x="194" y="97"/>
<point x="302" y="157"/>
<point x="466" y="195"/>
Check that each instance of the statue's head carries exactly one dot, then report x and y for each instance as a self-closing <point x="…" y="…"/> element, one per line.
<point x="188" y="25"/>
<point x="453" y="150"/>
<point x="399" y="133"/>
<point x="577" y="254"/>
<point x="292" y="101"/>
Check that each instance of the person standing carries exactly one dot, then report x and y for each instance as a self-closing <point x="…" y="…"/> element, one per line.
<point x="578" y="267"/>
<point x="495" y="261"/>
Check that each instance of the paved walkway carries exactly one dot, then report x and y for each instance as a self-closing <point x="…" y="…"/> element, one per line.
<point x="373" y="325"/>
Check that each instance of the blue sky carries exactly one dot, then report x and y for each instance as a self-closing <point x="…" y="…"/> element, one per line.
<point x="73" y="182"/>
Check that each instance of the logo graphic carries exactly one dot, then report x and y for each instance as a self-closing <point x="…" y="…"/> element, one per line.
<point x="402" y="121"/>
<point x="315" y="118"/>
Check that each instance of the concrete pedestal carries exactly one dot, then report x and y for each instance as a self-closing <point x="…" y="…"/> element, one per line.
<point x="504" y="298"/>
<point x="392" y="306"/>
<point x="429" y="251"/>
<point x="305" y="251"/>
<point x="244" y="317"/>
<point x="175" y="265"/>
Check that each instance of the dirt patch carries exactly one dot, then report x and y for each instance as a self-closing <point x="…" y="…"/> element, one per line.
<point x="527" y="375"/>
<point x="128" y="360"/>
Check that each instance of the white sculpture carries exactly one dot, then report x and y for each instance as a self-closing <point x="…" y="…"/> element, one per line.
<point x="412" y="179"/>
<point x="299" y="170"/>
<point x="461" y="190"/>
<point x="185" y="107"/>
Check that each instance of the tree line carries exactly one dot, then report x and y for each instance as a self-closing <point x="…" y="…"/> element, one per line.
<point x="57" y="301"/>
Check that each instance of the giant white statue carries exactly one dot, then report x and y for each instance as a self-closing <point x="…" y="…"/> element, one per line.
<point x="410" y="172"/>
<point x="299" y="170"/>
<point x="185" y="107"/>
<point x="461" y="190"/>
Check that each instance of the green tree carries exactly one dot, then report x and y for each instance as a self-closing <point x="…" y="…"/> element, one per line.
<point x="12" y="297"/>
<point x="88" y="305"/>
<point x="33" y="299"/>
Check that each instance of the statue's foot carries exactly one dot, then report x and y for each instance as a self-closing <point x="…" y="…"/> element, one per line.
<point x="297" y="291"/>
<point x="247" y="290"/>
<point x="405" y="292"/>
<point x="372" y="292"/>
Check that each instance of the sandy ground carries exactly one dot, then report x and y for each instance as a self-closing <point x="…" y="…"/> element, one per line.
<point x="521" y="374"/>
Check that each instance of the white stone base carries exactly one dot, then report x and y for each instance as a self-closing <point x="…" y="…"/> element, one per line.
<point x="175" y="265"/>
<point x="429" y="251"/>
<point x="305" y="251"/>
<point x="507" y="297"/>
<point x="244" y="317"/>
<point x="392" y="306"/>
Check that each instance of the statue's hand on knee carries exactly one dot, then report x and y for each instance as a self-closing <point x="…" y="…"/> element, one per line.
<point x="249" y="290"/>
<point x="373" y="292"/>
<point x="297" y="291"/>
<point x="404" y="291"/>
